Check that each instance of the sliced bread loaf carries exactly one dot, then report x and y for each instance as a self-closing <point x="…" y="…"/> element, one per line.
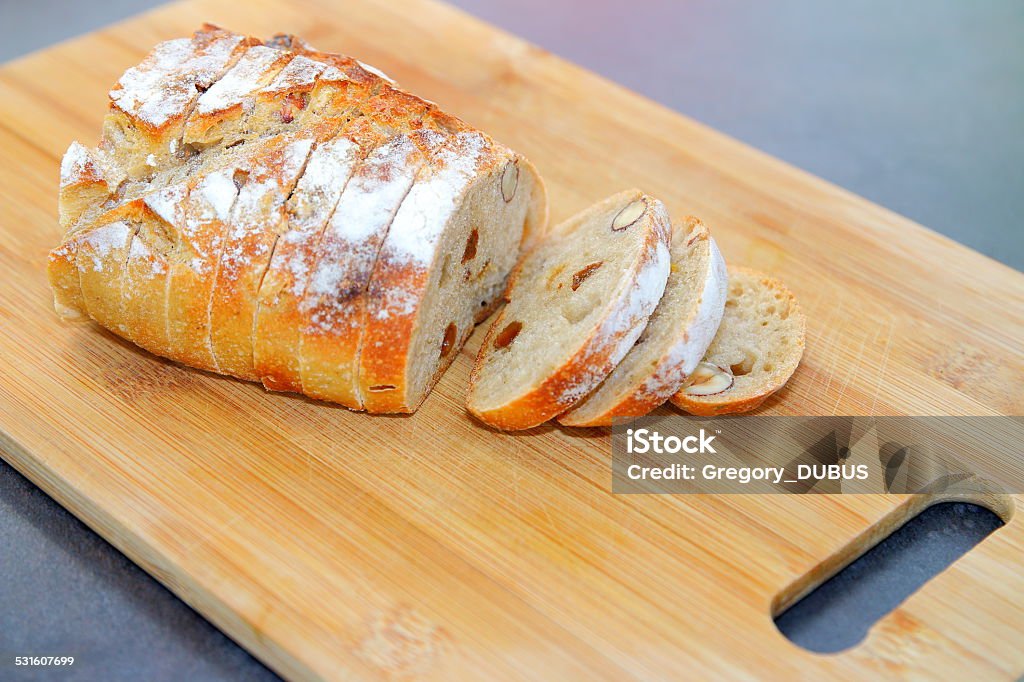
<point x="576" y="305"/>
<point x="199" y="223"/>
<point x="756" y="350"/>
<point x="675" y="339"/>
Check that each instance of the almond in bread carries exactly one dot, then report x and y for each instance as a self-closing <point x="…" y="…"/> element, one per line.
<point x="675" y="339"/>
<point x="576" y="306"/>
<point x="756" y="350"/>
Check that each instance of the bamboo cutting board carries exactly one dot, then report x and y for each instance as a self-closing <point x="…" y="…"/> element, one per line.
<point x="340" y="545"/>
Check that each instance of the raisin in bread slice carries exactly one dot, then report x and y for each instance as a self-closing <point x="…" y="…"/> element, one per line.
<point x="756" y="350"/>
<point x="675" y="339"/>
<point x="443" y="264"/>
<point x="577" y="304"/>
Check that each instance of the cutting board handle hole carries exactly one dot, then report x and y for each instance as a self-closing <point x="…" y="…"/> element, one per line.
<point x="837" y="614"/>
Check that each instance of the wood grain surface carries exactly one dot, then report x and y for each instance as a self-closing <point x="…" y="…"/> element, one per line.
<point x="340" y="545"/>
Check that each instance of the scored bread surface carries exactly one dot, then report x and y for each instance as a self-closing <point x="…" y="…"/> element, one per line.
<point x="675" y="339"/>
<point x="759" y="343"/>
<point x="239" y="199"/>
<point x="577" y="304"/>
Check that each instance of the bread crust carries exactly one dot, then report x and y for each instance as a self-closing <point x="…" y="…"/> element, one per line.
<point x="249" y="240"/>
<point x="722" y="404"/>
<point x="279" y="319"/>
<point x="624" y="319"/>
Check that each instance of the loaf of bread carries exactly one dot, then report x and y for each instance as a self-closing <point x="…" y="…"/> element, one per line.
<point x="282" y="215"/>
<point x="675" y="339"/>
<point x="577" y="304"/>
<point x="756" y="350"/>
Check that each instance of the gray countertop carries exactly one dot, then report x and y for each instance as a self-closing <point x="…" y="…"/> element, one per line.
<point x="918" y="106"/>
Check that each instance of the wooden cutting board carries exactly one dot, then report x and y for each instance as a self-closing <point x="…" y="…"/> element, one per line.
<point x="340" y="545"/>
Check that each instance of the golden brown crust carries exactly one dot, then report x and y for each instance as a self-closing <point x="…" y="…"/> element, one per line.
<point x="251" y="233"/>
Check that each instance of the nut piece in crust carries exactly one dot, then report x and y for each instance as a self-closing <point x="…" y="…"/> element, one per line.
<point x="708" y="379"/>
<point x="629" y="215"/>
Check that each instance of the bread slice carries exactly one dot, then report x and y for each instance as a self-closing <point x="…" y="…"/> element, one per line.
<point x="83" y="184"/>
<point x="756" y="350"/>
<point x="276" y="340"/>
<point x="101" y="253"/>
<point x="443" y="264"/>
<point x="193" y="262"/>
<point x="333" y="306"/>
<point x="252" y="229"/>
<point x="577" y="304"/>
<point x="675" y="339"/>
<point x="144" y="280"/>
